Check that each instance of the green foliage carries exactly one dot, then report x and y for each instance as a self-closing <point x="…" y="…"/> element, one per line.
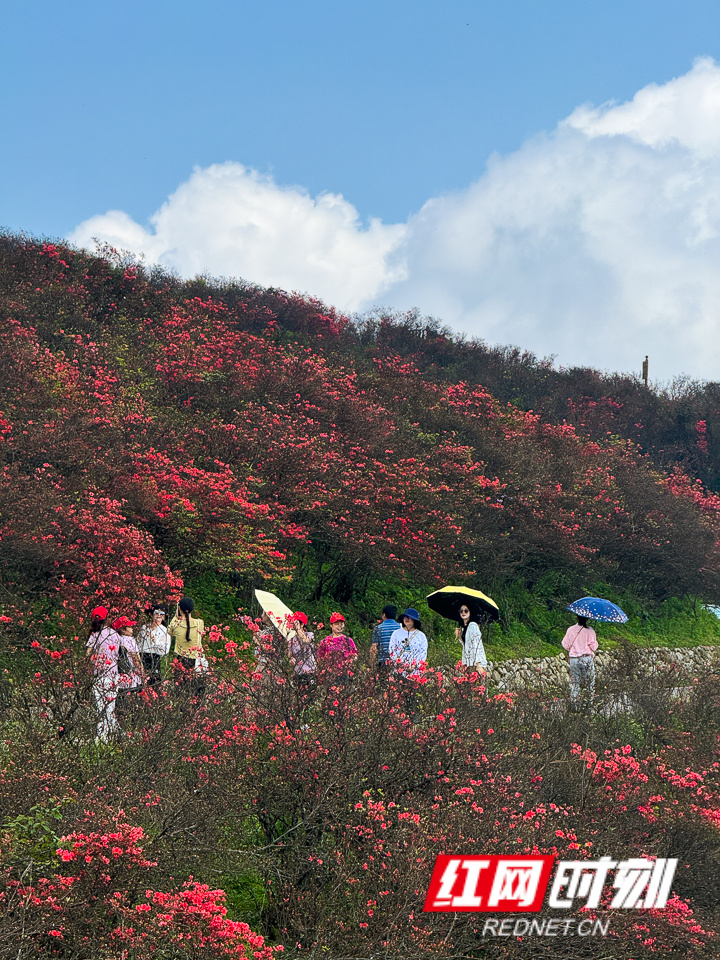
<point x="534" y="621"/>
<point x="33" y="836"/>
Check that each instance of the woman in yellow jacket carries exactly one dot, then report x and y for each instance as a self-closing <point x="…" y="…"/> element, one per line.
<point x="186" y="632"/>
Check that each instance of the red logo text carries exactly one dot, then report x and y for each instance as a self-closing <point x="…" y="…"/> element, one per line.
<point x="489" y="884"/>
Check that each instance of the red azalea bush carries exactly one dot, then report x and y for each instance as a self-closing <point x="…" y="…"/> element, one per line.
<point x="232" y="435"/>
<point x="314" y="819"/>
<point x="154" y="433"/>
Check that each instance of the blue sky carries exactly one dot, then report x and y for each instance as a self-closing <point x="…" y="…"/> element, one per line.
<point x="392" y="104"/>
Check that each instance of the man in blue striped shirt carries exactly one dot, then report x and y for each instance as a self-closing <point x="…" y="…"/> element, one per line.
<point x="380" y="643"/>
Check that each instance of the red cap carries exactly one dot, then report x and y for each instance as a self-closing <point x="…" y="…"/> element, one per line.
<point x="122" y="622"/>
<point x="99" y="612"/>
<point x="301" y="617"/>
<point x="336" y="617"/>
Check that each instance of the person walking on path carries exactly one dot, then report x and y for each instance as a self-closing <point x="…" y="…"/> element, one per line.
<point x="337" y="651"/>
<point x="154" y="644"/>
<point x="470" y="637"/>
<point x="380" y="642"/>
<point x="581" y="643"/>
<point x="187" y="633"/>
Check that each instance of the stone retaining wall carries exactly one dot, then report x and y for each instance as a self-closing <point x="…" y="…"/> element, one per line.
<point x="676" y="663"/>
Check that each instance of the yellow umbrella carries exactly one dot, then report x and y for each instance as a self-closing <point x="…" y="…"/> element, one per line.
<point x="276" y="610"/>
<point x="448" y="601"/>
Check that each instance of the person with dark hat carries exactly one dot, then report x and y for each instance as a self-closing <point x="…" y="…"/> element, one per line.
<point x="408" y="652"/>
<point x="409" y="645"/>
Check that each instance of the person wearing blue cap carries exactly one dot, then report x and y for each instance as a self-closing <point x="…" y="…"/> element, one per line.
<point x="409" y="645"/>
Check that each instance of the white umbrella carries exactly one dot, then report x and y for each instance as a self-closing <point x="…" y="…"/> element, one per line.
<point x="277" y="611"/>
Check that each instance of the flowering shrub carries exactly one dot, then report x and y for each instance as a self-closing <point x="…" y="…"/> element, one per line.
<point x="154" y="433"/>
<point x="331" y="809"/>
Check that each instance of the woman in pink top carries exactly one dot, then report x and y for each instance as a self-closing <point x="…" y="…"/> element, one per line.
<point x="337" y="650"/>
<point x="581" y="643"/>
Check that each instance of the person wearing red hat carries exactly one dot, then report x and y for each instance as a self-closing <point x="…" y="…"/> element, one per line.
<point x="104" y="646"/>
<point x="337" y="650"/>
<point x="129" y="662"/>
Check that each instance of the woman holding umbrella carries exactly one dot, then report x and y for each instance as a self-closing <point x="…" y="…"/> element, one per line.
<point x="470" y="637"/>
<point x="468" y="608"/>
<point x="580" y="641"/>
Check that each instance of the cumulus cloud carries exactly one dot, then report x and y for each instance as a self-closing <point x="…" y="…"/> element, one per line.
<point x="230" y="220"/>
<point x="598" y="242"/>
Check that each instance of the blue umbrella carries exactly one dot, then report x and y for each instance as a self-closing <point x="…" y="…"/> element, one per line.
<point x="594" y="608"/>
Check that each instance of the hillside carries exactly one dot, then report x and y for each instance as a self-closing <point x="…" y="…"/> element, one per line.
<point x="159" y="436"/>
<point x="155" y="433"/>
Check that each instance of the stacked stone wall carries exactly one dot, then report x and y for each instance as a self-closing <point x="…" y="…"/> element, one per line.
<point x="677" y="664"/>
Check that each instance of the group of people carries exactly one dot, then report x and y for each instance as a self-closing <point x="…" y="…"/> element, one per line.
<point x="395" y="644"/>
<point x="123" y="663"/>
<point x="404" y="644"/>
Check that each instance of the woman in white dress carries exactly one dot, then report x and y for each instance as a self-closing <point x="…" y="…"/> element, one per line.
<point x="470" y="637"/>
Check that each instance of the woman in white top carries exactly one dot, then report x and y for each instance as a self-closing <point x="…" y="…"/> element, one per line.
<point x="470" y="637"/>
<point x="154" y="644"/>
<point x="409" y="645"/>
<point x="408" y="654"/>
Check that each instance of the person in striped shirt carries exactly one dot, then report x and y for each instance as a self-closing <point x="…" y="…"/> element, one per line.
<point x="380" y="641"/>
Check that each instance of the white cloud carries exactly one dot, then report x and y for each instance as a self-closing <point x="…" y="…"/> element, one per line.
<point x="598" y="242"/>
<point x="684" y="111"/>
<point x="232" y="221"/>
